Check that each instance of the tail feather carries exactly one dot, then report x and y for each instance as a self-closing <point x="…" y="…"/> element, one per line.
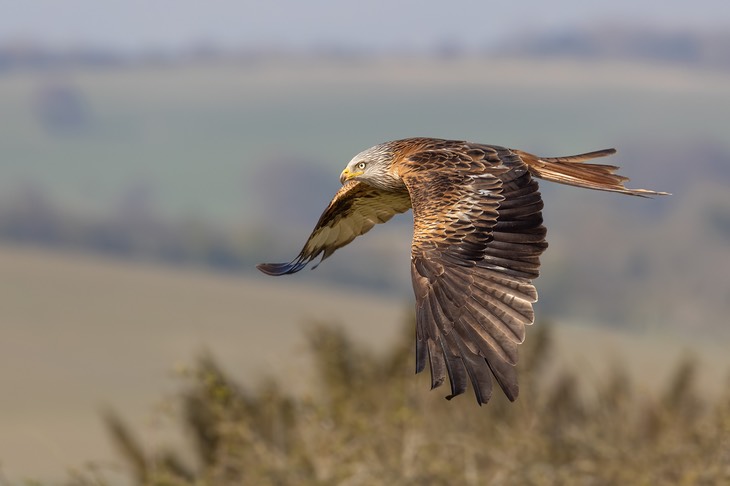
<point x="582" y="157"/>
<point x="573" y="171"/>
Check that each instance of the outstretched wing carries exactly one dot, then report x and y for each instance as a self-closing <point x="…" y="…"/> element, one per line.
<point x="477" y="239"/>
<point x="355" y="209"/>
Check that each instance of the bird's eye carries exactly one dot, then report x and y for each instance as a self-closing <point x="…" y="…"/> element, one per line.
<point x="361" y="165"/>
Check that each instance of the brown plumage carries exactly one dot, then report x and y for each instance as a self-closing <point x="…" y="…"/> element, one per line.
<point x="477" y="240"/>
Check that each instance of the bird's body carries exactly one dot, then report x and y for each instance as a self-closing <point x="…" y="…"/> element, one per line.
<point x="477" y="239"/>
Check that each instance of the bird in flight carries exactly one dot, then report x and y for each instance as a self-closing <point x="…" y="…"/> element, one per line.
<point x="477" y="240"/>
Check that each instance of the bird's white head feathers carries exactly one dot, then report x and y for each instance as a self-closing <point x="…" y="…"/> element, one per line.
<point x="373" y="166"/>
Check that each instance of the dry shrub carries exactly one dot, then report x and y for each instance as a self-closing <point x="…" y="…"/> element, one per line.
<point x="370" y="421"/>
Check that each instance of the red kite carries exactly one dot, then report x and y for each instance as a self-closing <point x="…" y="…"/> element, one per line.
<point x="477" y="240"/>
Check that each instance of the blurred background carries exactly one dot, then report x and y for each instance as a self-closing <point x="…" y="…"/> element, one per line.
<point x="152" y="154"/>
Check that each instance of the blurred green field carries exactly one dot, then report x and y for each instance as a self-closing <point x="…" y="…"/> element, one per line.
<point x="198" y="136"/>
<point x="82" y="333"/>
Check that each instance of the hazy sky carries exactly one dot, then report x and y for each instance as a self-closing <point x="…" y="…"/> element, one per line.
<point x="132" y="24"/>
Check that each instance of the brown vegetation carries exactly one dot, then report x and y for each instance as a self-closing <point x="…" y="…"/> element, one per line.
<point x="369" y="421"/>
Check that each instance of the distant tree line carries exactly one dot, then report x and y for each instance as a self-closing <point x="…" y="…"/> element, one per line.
<point x="614" y="41"/>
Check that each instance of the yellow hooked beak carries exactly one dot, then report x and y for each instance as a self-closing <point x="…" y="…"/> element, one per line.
<point x="347" y="175"/>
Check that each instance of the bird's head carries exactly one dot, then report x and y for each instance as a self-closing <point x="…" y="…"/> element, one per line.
<point x="372" y="166"/>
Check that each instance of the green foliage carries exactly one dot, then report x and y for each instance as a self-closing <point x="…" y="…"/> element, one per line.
<point x="370" y="421"/>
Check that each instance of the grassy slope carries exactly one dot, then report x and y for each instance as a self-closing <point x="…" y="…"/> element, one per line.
<point x="79" y="333"/>
<point x="198" y="135"/>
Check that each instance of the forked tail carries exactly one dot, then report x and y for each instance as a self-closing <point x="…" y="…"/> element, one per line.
<point x="573" y="171"/>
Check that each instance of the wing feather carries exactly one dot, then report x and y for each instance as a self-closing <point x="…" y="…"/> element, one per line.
<point x="477" y="239"/>
<point x="454" y="365"/>
<point x="354" y="210"/>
